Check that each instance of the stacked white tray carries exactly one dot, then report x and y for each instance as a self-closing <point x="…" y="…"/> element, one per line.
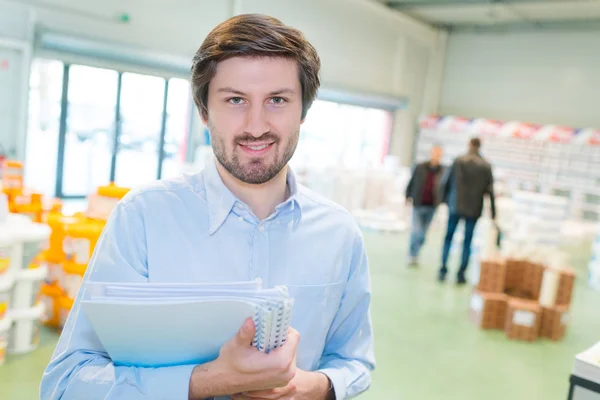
<point x="594" y="267"/>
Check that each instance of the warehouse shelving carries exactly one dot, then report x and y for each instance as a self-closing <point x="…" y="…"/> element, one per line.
<point x="570" y="170"/>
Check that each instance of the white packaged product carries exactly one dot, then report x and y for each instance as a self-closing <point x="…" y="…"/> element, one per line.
<point x="25" y="333"/>
<point x="34" y="239"/>
<point x="6" y="287"/>
<point x="27" y="287"/>
<point x="55" y="273"/>
<point x="7" y="244"/>
<point x="5" y="324"/>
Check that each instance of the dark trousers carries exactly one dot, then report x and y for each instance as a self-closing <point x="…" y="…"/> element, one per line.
<point x="422" y="217"/>
<point x="453" y="221"/>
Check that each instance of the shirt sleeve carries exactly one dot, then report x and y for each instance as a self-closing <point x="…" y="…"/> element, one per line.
<point x="348" y="357"/>
<point x="80" y="368"/>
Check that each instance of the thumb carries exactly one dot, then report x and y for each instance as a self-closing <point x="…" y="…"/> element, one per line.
<point x="245" y="335"/>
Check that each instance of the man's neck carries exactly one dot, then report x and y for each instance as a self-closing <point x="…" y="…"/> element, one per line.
<point x="262" y="198"/>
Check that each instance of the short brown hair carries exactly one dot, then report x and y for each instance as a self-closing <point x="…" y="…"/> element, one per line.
<point x="475" y="143"/>
<point x="254" y="35"/>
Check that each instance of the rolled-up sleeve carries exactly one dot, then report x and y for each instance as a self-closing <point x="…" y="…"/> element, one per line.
<point x="80" y="368"/>
<point x="348" y="358"/>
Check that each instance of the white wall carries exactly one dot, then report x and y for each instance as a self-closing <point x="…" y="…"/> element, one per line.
<point x="540" y="77"/>
<point x="364" y="46"/>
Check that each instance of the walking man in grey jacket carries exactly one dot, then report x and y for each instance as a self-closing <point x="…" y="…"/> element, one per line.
<point x="468" y="181"/>
<point x="424" y="192"/>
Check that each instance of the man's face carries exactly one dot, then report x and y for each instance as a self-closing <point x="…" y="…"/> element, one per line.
<point x="254" y="116"/>
<point x="436" y="154"/>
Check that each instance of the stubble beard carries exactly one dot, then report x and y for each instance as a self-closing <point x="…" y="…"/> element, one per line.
<point x="255" y="171"/>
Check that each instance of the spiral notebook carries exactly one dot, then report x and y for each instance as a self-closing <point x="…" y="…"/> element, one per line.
<point x="154" y="325"/>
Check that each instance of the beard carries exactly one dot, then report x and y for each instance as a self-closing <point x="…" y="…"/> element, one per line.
<point x="257" y="170"/>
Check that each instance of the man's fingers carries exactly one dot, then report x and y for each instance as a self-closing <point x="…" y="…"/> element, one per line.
<point x="245" y="335"/>
<point x="293" y="337"/>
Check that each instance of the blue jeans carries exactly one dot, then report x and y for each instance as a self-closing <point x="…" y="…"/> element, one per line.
<point x="453" y="221"/>
<point x="422" y="217"/>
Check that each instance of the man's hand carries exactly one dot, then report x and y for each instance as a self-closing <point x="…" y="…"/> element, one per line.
<point x="304" y="386"/>
<point x="241" y="367"/>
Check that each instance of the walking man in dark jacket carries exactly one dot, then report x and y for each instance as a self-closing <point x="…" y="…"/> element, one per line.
<point x="468" y="181"/>
<point x="424" y="191"/>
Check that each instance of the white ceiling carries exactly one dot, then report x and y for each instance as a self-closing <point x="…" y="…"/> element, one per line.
<point x="486" y="13"/>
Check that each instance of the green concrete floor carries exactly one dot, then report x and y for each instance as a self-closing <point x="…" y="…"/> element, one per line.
<point x="426" y="348"/>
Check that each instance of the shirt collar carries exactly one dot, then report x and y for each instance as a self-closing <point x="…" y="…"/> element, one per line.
<point x="221" y="200"/>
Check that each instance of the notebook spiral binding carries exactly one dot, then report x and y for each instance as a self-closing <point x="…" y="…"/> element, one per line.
<point x="272" y="321"/>
<point x="288" y="305"/>
<point x="264" y="327"/>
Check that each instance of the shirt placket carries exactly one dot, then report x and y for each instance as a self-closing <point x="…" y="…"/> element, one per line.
<point x="260" y="252"/>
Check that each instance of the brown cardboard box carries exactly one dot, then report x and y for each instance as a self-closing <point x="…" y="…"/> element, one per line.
<point x="523" y="319"/>
<point x="565" y="287"/>
<point x="554" y="322"/>
<point x="488" y="310"/>
<point x="492" y="276"/>
<point x="514" y="274"/>
<point x="532" y="279"/>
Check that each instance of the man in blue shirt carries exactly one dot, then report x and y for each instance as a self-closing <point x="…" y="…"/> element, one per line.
<point x="243" y="217"/>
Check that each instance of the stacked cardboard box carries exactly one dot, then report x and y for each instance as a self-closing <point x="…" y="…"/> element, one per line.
<point x="523" y="319"/>
<point x="554" y="322"/>
<point x="492" y="276"/>
<point x="514" y="274"/>
<point x="532" y="279"/>
<point x="513" y="295"/>
<point x="488" y="310"/>
<point x="565" y="288"/>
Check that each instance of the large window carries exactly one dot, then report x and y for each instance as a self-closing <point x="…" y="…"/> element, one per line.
<point x="343" y="135"/>
<point x="43" y="125"/>
<point x="90" y="126"/>
<point x="92" y="97"/>
<point x="179" y="114"/>
<point x="142" y="100"/>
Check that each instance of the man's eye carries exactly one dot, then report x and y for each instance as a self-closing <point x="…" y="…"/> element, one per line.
<point x="236" y="100"/>
<point x="277" y="100"/>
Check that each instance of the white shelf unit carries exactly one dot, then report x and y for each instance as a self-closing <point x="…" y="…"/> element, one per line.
<point x="559" y="169"/>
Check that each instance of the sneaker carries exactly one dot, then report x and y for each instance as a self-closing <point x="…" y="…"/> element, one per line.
<point x="413" y="262"/>
<point x="460" y="279"/>
<point x="442" y="276"/>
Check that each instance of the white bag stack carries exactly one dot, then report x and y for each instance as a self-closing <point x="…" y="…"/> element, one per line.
<point x="594" y="267"/>
<point x="539" y="218"/>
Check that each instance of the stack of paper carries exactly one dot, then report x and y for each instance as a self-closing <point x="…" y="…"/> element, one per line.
<point x="587" y="364"/>
<point x="161" y="324"/>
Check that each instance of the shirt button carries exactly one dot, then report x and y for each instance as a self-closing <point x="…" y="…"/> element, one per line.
<point x="261" y="227"/>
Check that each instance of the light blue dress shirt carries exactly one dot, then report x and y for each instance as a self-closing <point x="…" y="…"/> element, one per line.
<point x="193" y="229"/>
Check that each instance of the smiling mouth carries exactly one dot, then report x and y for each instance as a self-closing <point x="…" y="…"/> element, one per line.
<point x="256" y="149"/>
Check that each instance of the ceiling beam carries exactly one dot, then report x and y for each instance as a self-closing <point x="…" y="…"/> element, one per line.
<point x="525" y="26"/>
<point x="404" y="4"/>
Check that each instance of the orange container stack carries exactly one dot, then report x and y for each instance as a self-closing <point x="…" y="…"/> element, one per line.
<point x="71" y="246"/>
